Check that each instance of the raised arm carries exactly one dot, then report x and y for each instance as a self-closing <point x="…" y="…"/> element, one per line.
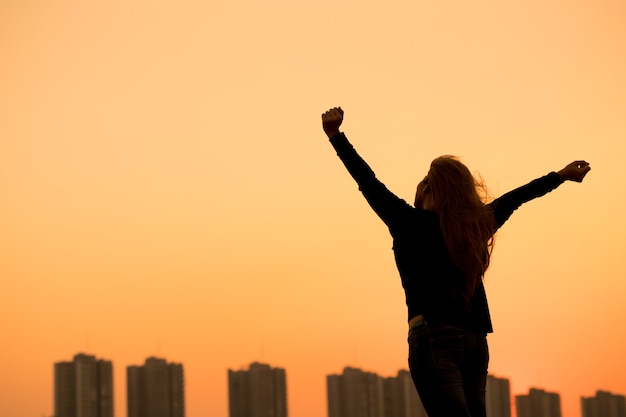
<point x="386" y="204"/>
<point x="505" y="205"/>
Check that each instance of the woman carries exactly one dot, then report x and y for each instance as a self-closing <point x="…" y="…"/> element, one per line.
<point x="442" y="248"/>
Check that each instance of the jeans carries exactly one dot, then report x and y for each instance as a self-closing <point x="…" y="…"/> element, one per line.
<point x="449" y="369"/>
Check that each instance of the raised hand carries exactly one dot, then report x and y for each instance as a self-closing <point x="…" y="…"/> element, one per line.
<point x="331" y="120"/>
<point x="575" y="171"/>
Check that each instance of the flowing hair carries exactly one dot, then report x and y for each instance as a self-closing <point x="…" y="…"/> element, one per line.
<point x="466" y="223"/>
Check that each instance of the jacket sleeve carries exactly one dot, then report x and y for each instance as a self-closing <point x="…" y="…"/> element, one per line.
<point x="386" y="204"/>
<point x="505" y="205"/>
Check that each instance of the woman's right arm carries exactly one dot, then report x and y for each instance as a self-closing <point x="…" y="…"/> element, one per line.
<point x="386" y="204"/>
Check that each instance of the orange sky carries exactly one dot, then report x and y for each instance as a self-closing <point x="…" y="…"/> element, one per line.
<point x="167" y="188"/>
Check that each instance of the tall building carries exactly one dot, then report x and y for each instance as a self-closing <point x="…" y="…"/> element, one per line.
<point x="156" y="389"/>
<point x="498" y="397"/>
<point x="83" y="387"/>
<point x="355" y="393"/>
<point x="538" y="403"/>
<point x="260" y="391"/>
<point x="400" y="397"/>
<point x="604" y="404"/>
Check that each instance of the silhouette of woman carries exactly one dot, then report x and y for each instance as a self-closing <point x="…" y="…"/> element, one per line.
<point x="442" y="248"/>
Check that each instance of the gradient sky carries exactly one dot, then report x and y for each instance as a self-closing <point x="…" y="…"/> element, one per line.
<point x="167" y="188"/>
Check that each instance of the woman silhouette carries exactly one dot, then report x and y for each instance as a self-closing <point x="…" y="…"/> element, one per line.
<point x="442" y="246"/>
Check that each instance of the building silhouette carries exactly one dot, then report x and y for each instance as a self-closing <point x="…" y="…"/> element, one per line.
<point x="604" y="404"/>
<point x="156" y="389"/>
<point x="83" y="387"/>
<point x="355" y="393"/>
<point x="538" y="403"/>
<point x="400" y="397"/>
<point x="260" y="391"/>
<point x="498" y="397"/>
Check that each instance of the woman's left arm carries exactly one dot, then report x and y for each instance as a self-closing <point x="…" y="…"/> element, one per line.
<point x="504" y="206"/>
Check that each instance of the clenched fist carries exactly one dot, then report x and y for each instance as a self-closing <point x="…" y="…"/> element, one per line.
<point x="331" y="120"/>
<point x="575" y="171"/>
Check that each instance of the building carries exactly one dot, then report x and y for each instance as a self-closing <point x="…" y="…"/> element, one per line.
<point x="83" y="387"/>
<point x="156" y="389"/>
<point x="604" y="404"/>
<point x="538" y="403"/>
<point x="260" y="391"/>
<point x="400" y="397"/>
<point x="355" y="393"/>
<point x="498" y="397"/>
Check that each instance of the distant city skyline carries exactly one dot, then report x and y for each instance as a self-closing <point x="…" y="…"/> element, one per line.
<point x="83" y="387"/>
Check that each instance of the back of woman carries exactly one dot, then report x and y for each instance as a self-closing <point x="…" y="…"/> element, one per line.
<point x="442" y="247"/>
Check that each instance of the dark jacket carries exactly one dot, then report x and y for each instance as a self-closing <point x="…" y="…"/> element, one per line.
<point x="428" y="275"/>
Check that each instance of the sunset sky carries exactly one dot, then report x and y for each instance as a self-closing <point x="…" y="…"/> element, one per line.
<point x="166" y="187"/>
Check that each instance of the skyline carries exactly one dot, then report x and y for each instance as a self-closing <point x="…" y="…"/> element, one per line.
<point x="268" y="368"/>
<point x="167" y="189"/>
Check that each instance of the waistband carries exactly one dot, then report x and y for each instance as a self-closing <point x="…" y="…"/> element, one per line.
<point x="417" y="321"/>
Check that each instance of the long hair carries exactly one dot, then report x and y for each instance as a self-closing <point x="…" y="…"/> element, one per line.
<point x="467" y="225"/>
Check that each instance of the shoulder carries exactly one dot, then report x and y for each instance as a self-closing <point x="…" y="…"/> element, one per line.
<point x="423" y="219"/>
